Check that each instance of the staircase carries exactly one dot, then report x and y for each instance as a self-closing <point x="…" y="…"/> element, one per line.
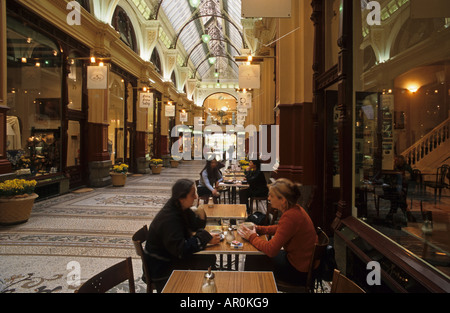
<point x="432" y="150"/>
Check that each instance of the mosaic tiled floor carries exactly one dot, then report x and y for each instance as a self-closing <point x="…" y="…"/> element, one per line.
<point x="90" y="231"/>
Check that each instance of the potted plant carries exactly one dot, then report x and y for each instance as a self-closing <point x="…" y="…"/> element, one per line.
<point x="16" y="201"/>
<point x="156" y="166"/>
<point x="119" y="175"/>
<point x="175" y="161"/>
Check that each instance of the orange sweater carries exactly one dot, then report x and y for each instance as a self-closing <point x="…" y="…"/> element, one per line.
<point x="295" y="232"/>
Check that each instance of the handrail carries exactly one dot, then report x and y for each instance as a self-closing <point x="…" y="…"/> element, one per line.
<point x="428" y="143"/>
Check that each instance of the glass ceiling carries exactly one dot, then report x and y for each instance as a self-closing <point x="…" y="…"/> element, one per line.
<point x="221" y="21"/>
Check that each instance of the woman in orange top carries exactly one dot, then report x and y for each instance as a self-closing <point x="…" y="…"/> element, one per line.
<point x="294" y="232"/>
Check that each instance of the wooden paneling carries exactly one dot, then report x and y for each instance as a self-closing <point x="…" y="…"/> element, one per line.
<point x="97" y="143"/>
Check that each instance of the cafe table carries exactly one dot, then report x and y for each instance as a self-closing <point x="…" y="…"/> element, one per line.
<point x="225" y="211"/>
<point x="224" y="248"/>
<point x="234" y="185"/>
<point x="226" y="282"/>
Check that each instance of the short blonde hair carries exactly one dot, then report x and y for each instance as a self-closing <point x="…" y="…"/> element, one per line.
<point x="284" y="188"/>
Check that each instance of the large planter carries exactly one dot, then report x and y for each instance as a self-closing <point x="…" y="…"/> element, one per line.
<point x="16" y="210"/>
<point x="174" y="163"/>
<point x="118" y="179"/>
<point x="156" y="169"/>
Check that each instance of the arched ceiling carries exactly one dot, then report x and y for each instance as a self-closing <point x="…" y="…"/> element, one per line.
<point x="221" y="20"/>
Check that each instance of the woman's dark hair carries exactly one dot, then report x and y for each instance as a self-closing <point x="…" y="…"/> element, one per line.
<point x="257" y="163"/>
<point x="180" y="189"/>
<point x="213" y="173"/>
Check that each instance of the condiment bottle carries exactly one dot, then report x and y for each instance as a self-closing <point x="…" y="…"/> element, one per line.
<point x="229" y="236"/>
<point x="209" y="284"/>
<point x="210" y="202"/>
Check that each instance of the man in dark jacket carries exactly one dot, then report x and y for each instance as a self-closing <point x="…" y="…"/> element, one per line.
<point x="175" y="234"/>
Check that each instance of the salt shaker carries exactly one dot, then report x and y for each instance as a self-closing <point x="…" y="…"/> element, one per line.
<point x="210" y="202"/>
<point x="229" y="236"/>
<point x="209" y="284"/>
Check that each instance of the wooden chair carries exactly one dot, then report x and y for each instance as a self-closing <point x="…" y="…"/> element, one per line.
<point x="319" y="249"/>
<point x="138" y="239"/>
<point x="342" y="284"/>
<point x="439" y="183"/>
<point x="110" y="278"/>
<point x="257" y="199"/>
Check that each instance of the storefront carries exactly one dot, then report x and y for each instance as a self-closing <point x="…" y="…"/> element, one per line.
<point x="46" y="101"/>
<point x="385" y="93"/>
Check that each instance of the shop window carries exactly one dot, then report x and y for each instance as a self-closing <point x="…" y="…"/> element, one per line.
<point x="402" y="131"/>
<point x="116" y="115"/>
<point x="75" y="83"/>
<point x="156" y="60"/>
<point x="34" y="75"/>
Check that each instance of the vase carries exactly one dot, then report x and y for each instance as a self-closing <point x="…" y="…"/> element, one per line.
<point x="156" y="169"/>
<point x="16" y="210"/>
<point x="118" y="179"/>
<point x="174" y="163"/>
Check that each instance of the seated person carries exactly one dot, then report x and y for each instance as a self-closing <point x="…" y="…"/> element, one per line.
<point x="175" y="234"/>
<point x="210" y="176"/>
<point x="256" y="180"/>
<point x="396" y="187"/>
<point x="295" y="232"/>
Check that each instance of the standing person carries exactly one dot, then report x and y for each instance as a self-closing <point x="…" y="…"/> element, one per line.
<point x="256" y="180"/>
<point x="170" y="243"/>
<point x="295" y="233"/>
<point x="210" y="176"/>
<point x="396" y="188"/>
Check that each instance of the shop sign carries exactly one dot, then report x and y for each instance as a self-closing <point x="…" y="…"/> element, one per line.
<point x="146" y="100"/>
<point x="97" y="77"/>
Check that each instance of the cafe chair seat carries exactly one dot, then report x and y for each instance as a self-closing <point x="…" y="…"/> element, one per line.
<point x="110" y="278"/>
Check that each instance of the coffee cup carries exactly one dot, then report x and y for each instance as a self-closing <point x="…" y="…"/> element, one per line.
<point x="249" y="225"/>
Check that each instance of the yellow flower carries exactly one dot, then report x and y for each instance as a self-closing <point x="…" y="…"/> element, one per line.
<point x="17" y="187"/>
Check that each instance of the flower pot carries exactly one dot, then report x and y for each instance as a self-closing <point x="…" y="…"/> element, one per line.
<point x="156" y="169"/>
<point x="16" y="210"/>
<point x="174" y="163"/>
<point x="118" y="179"/>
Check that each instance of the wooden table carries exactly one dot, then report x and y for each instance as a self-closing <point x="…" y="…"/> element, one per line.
<point x="226" y="282"/>
<point x="227" y="211"/>
<point x="225" y="248"/>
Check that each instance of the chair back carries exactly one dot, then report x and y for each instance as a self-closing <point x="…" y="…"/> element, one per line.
<point x="138" y="239"/>
<point x="442" y="174"/>
<point x="110" y="278"/>
<point x="319" y="250"/>
<point x="342" y="284"/>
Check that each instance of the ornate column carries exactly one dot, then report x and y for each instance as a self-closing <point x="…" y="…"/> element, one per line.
<point x="345" y="107"/>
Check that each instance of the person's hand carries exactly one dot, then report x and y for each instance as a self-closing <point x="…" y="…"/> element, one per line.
<point x="215" y="193"/>
<point x="245" y="232"/>
<point x="215" y="239"/>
